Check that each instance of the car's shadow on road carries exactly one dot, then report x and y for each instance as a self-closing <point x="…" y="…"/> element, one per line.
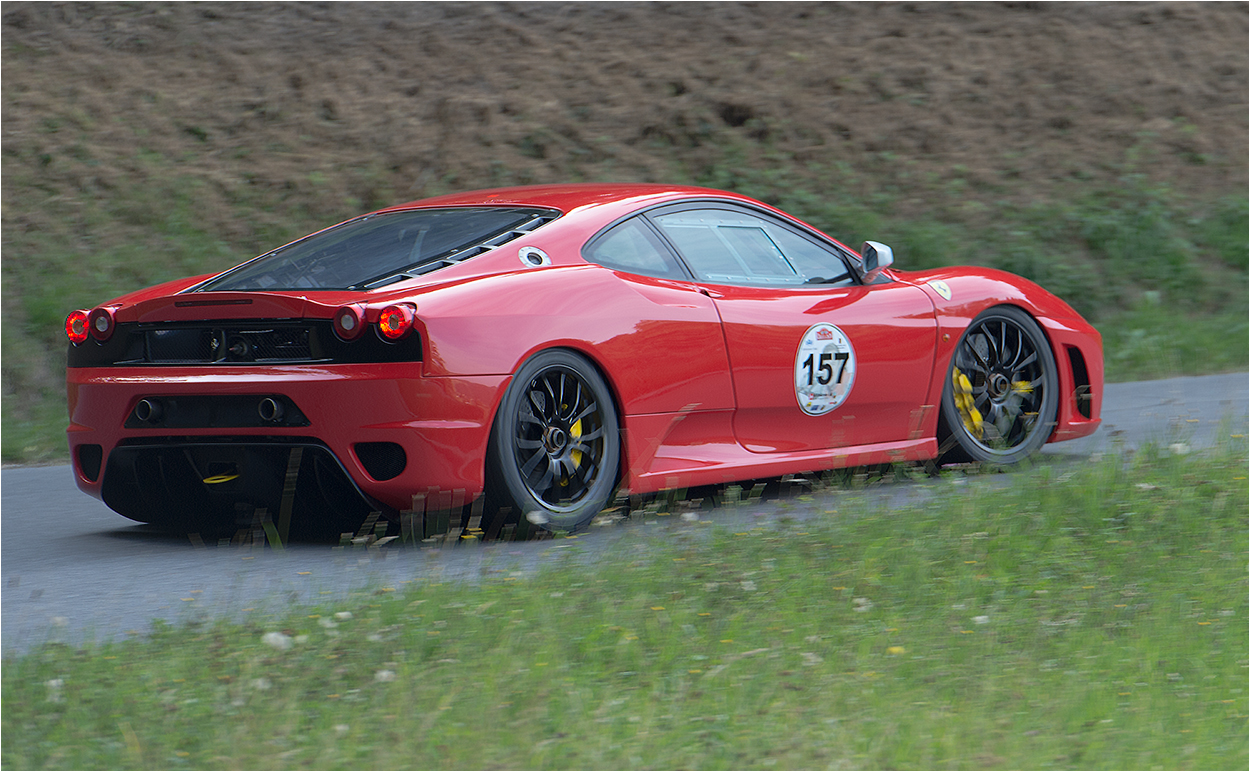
<point x="141" y="533"/>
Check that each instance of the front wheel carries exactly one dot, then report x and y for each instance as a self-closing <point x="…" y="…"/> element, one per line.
<point x="554" y="448"/>
<point x="1002" y="390"/>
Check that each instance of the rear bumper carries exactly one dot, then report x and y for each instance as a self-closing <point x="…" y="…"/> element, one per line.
<point x="385" y="432"/>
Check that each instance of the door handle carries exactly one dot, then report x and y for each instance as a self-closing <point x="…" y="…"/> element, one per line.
<point x="711" y="293"/>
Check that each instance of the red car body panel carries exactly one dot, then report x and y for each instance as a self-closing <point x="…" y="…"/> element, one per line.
<point x="703" y="375"/>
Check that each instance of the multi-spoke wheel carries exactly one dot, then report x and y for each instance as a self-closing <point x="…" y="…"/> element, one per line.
<point x="554" y="450"/>
<point x="1001" y="391"/>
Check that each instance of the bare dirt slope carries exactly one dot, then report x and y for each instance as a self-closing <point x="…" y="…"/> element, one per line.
<point x="334" y="107"/>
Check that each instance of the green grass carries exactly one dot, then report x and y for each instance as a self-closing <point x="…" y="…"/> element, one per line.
<point x="1088" y="616"/>
<point x="1150" y="340"/>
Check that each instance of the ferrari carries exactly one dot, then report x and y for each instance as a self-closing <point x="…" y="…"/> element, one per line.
<point x="535" y="352"/>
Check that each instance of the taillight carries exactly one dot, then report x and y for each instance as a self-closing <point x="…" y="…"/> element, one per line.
<point x="100" y="322"/>
<point x="349" y="322"/>
<point x="395" y="322"/>
<point x="76" y="327"/>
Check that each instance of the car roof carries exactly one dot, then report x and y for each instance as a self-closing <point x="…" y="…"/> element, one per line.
<point x="568" y="197"/>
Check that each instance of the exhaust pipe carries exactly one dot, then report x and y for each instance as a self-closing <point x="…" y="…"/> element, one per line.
<point x="149" y="410"/>
<point x="270" y="410"/>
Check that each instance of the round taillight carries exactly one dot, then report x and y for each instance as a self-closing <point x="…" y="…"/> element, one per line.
<point x="76" y="327"/>
<point x="349" y="322"/>
<point x="395" y="322"/>
<point x="100" y="322"/>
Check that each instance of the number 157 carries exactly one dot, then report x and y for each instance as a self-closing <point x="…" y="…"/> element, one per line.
<point x="822" y="372"/>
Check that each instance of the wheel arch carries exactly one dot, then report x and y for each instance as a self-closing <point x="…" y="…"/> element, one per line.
<point x="1064" y="365"/>
<point x="587" y="353"/>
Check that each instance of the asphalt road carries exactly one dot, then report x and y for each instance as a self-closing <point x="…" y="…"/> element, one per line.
<point x="71" y="569"/>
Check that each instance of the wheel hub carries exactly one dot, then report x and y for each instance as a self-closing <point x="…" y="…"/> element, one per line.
<point x="999" y="386"/>
<point x="555" y="439"/>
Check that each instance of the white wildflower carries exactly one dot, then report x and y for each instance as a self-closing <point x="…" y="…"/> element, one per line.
<point x="981" y="620"/>
<point x="54" y="690"/>
<point x="276" y="640"/>
<point x="748" y="585"/>
<point x="384" y="676"/>
<point x="344" y="615"/>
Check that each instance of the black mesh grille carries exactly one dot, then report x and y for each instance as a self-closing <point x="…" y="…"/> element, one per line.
<point x="227" y="344"/>
<point x="179" y="345"/>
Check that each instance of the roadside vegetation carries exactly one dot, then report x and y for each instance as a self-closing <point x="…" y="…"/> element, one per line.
<point x="1162" y="276"/>
<point x="1089" y="616"/>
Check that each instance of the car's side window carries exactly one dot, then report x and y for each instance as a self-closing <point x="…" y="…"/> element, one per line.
<point x="733" y="247"/>
<point x="812" y="260"/>
<point x="633" y="247"/>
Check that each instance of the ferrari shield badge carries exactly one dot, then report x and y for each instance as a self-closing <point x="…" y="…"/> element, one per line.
<point x="824" y="369"/>
<point x="941" y="288"/>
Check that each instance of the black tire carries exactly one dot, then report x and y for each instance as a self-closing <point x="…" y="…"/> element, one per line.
<point x="554" y="449"/>
<point x="1005" y="409"/>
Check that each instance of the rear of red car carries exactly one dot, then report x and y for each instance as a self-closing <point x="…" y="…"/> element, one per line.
<point x="294" y="383"/>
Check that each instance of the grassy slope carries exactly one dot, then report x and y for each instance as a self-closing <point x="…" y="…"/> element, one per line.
<point x="1098" y="150"/>
<point x="1089" y="617"/>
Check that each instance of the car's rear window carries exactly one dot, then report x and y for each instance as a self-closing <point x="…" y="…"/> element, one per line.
<point x="374" y="250"/>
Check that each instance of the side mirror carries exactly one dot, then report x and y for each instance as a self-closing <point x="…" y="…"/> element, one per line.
<point x="876" y="258"/>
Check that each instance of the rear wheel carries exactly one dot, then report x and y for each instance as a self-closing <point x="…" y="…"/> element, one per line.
<point x="554" y="448"/>
<point x="1002" y="390"/>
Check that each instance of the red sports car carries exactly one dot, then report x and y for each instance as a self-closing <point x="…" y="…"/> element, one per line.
<point x="539" y="350"/>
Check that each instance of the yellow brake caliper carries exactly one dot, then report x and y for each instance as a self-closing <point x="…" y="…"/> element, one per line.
<point x="575" y="431"/>
<point x="964" y="402"/>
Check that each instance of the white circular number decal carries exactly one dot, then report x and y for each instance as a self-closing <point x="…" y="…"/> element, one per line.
<point x="824" y="369"/>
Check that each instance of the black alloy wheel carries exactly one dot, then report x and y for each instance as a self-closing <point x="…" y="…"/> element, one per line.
<point x="1002" y="390"/>
<point x="554" y="450"/>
